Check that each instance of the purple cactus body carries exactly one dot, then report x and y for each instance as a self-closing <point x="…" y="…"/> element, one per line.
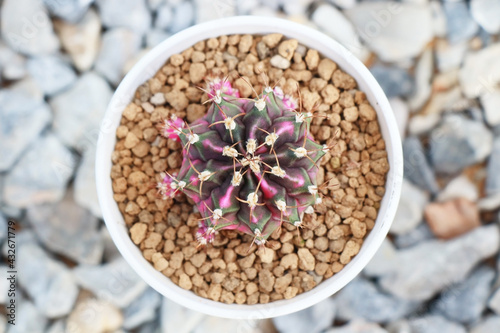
<point x="249" y="165"/>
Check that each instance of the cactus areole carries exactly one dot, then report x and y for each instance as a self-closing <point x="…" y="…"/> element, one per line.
<point x="248" y="164"/>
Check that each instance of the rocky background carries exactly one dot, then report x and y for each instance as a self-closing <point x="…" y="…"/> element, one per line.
<point x="438" y="62"/>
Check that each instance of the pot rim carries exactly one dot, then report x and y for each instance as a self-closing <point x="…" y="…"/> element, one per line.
<point x="147" y="66"/>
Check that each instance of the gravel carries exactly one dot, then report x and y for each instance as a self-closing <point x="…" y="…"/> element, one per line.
<point x="32" y="36"/>
<point x="419" y="272"/>
<point x="392" y="34"/>
<point x="314" y="319"/>
<point x="52" y="74"/>
<point x="80" y="127"/>
<point x="465" y="302"/>
<point x="487" y="14"/>
<point x="362" y="299"/>
<point x="115" y="281"/>
<point x="53" y="96"/>
<point x="24" y="117"/>
<point x="49" y="283"/>
<point x="41" y="174"/>
<point x="410" y="209"/>
<point x="131" y="14"/>
<point x="459" y="142"/>
<point x="118" y="46"/>
<point x="459" y="23"/>
<point x="416" y="165"/>
<point x="79" y="241"/>
<point x="435" y="324"/>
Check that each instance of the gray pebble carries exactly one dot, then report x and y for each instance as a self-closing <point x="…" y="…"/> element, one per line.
<point x="183" y="16"/>
<point x="465" y="302"/>
<point x="358" y="326"/>
<point x="410" y="209"/>
<point x="142" y="310"/>
<point x="115" y="281"/>
<point x="421" y="271"/>
<point x="494" y="302"/>
<point x="24" y="116"/>
<point x="119" y="46"/>
<point x="421" y="233"/>
<point x="394" y="81"/>
<point x="459" y="23"/>
<point x="416" y="166"/>
<point x="87" y="99"/>
<point x="51" y="73"/>
<point x="33" y="320"/>
<point x="176" y="318"/>
<point x="41" y="175"/>
<point x="361" y="299"/>
<point x="12" y="64"/>
<point x="489" y="324"/>
<point x="69" y="10"/>
<point x="434" y="324"/>
<point x="457" y="143"/>
<point x="79" y="240"/>
<point x="313" y="320"/>
<point x="32" y="35"/>
<point x="48" y="282"/>
<point x="493" y="176"/>
<point x="132" y="14"/>
<point x="487" y="14"/>
<point x="164" y="17"/>
<point x="85" y="187"/>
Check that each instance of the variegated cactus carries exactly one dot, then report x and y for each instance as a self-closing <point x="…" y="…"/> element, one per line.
<point x="248" y="164"/>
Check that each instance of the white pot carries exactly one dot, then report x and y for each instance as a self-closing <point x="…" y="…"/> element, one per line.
<point x="149" y="65"/>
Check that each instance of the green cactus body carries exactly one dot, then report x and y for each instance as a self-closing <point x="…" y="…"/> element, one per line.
<point x="249" y="165"/>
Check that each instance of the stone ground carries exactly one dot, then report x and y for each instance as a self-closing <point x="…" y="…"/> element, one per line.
<point x="439" y="63"/>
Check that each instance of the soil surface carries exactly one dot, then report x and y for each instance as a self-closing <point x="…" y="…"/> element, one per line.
<point x="295" y="260"/>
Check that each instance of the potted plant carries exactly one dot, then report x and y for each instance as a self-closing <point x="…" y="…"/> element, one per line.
<point x="247" y="157"/>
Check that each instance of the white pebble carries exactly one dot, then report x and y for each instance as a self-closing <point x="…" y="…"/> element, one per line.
<point x="280" y="62"/>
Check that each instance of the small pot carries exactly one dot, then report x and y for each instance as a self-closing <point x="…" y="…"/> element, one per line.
<point x="149" y="65"/>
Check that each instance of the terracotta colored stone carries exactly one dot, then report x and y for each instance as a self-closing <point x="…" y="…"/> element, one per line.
<point x="452" y="218"/>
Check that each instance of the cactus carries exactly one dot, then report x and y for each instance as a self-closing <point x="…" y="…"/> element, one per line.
<point x="248" y="164"/>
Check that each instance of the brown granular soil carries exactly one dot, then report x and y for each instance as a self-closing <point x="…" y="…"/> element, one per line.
<point x="295" y="260"/>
